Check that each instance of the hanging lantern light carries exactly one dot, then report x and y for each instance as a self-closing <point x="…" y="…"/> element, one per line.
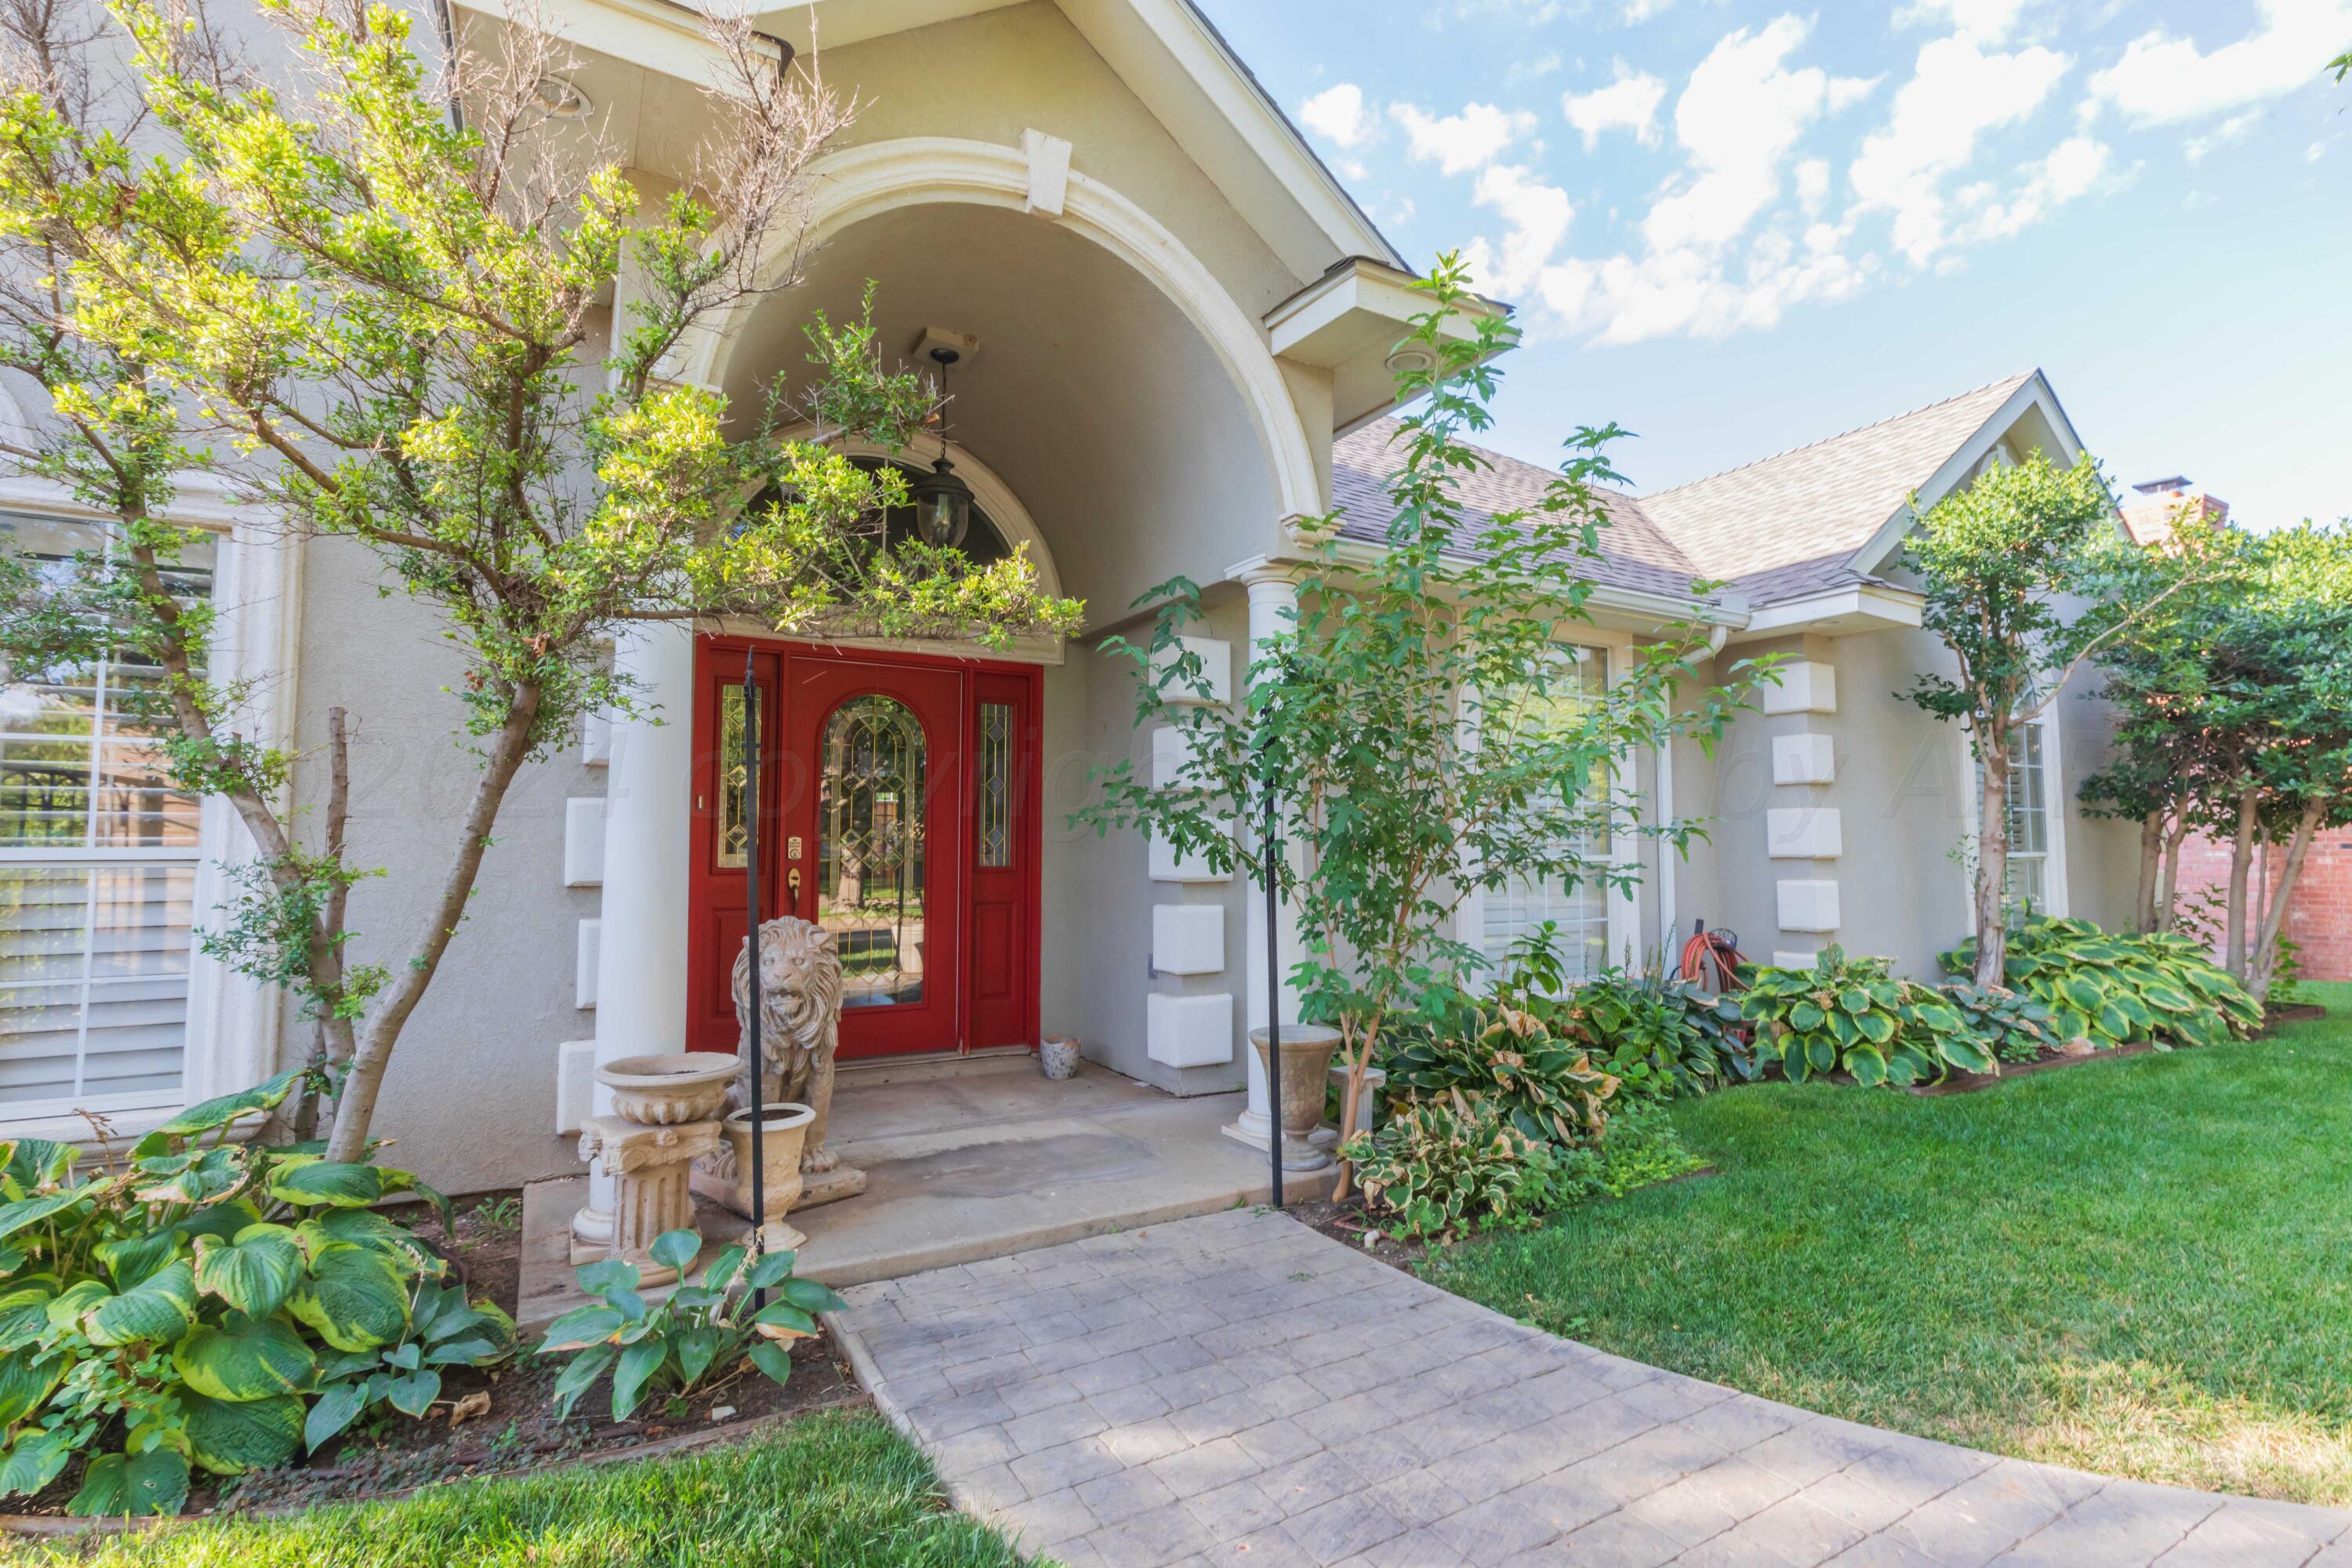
<point x="942" y="502"/>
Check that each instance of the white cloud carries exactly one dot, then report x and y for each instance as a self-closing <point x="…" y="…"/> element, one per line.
<point x="1538" y="216"/>
<point x="1640" y="11"/>
<point x="2074" y="167"/>
<point x="1338" y="115"/>
<point x="2164" y="80"/>
<point x="2315" y="152"/>
<point x="1629" y="104"/>
<point x="2230" y="130"/>
<point x="1457" y="143"/>
<point x="1532" y="67"/>
<point x="1956" y="93"/>
<point x="1983" y="21"/>
<point x="1813" y="184"/>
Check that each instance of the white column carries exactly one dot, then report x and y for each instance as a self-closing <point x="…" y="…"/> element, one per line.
<point x="1273" y="611"/>
<point x="641" y="948"/>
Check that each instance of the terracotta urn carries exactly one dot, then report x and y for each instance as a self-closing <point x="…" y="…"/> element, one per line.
<point x="1306" y="1068"/>
<point x="726" y="1174"/>
<point x="669" y="1090"/>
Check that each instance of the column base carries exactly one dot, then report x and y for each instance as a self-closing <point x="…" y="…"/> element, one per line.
<point x="1297" y="1154"/>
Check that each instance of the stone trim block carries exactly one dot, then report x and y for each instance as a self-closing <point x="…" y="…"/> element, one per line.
<point x="1189" y="1031"/>
<point x="1804" y="832"/>
<point x="1807" y="686"/>
<point x="584" y="841"/>
<point x="1806" y="759"/>
<point x="1807" y="904"/>
<point x="1188" y="939"/>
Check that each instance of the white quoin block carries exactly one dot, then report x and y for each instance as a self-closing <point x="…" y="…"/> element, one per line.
<point x="1804" y="832"/>
<point x="575" y="1083"/>
<point x="1189" y="1031"/>
<point x="1188" y="939"/>
<point x="584" y="841"/>
<point x="1806" y="686"/>
<point x="1171" y="748"/>
<point x="596" y="739"/>
<point x="1807" y="904"/>
<point x="1049" y="171"/>
<point x="1216" y="678"/>
<point x="1803" y="760"/>
<point x="584" y="963"/>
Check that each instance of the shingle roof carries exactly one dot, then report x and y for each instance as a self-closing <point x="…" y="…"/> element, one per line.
<point x="1783" y="527"/>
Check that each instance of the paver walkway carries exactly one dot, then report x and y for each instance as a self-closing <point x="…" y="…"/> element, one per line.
<point x="1239" y="1389"/>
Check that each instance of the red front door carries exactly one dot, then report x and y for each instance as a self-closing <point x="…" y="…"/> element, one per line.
<point x="900" y="814"/>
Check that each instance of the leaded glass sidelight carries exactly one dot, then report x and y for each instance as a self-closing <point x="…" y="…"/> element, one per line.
<point x="995" y="785"/>
<point x="869" y="849"/>
<point x="734" y="821"/>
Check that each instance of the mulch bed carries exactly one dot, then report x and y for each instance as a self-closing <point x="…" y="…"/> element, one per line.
<point x="1970" y="1083"/>
<point x="518" y="1431"/>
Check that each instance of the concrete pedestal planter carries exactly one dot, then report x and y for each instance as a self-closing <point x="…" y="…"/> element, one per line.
<point x="1306" y="1064"/>
<point x="671" y="1090"/>
<point x="725" y="1174"/>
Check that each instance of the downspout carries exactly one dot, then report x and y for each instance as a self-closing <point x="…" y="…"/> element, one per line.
<point x="1669" y="918"/>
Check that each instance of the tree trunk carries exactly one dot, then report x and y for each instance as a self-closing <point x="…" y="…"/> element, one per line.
<point x="508" y="747"/>
<point x="2242" y="859"/>
<point x="1992" y="861"/>
<point x="2151" y="852"/>
<point x="2298" y="847"/>
<point x="2168" y="884"/>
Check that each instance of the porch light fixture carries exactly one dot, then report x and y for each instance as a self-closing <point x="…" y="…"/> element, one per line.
<point x="942" y="502"/>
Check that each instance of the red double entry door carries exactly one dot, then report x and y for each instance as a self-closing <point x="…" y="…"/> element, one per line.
<point x="898" y="811"/>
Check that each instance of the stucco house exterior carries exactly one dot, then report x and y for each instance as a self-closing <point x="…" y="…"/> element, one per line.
<point x="1175" y="326"/>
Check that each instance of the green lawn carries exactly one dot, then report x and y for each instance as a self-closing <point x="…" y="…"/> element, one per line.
<point x="2137" y="1267"/>
<point x="836" y="1490"/>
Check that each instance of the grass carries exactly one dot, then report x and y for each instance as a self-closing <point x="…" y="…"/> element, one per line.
<point x="833" y="1490"/>
<point x="2137" y="1267"/>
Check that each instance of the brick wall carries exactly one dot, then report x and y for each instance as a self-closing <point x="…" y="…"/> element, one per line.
<point x="2319" y="919"/>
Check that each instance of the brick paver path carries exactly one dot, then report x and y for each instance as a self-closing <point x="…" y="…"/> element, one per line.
<point x="1239" y="1389"/>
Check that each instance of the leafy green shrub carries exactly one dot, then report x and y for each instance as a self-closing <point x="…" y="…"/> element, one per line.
<point x="2015" y="1025"/>
<point x="2114" y="988"/>
<point x="1542" y="1086"/>
<point x="190" y="1305"/>
<point x="1657" y="1038"/>
<point x="698" y="1334"/>
<point x="1642" y="1147"/>
<point x="1849" y="1015"/>
<point x="1449" y="1163"/>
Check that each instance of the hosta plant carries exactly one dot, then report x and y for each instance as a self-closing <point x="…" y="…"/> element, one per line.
<point x="1448" y="1164"/>
<point x="1849" y="1015"/>
<point x="2017" y="1027"/>
<point x="1657" y="1038"/>
<point x="188" y="1305"/>
<point x="2114" y="988"/>
<point x="700" y="1336"/>
<point x="1541" y="1085"/>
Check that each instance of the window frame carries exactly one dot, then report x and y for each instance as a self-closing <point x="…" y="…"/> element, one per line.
<point x="2055" y="901"/>
<point x="235" y="1024"/>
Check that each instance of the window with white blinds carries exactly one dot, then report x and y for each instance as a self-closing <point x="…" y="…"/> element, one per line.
<point x="2028" y="788"/>
<point x="98" y="866"/>
<point x="1579" y="914"/>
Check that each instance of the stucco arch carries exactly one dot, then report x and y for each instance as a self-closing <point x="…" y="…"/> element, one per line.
<point x="864" y="182"/>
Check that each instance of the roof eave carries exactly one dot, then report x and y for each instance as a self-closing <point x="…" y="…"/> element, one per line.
<point x="2033" y="392"/>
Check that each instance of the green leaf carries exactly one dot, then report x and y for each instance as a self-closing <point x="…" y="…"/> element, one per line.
<point x="200" y="1177"/>
<point x="27" y="1380"/>
<point x="65" y="1310"/>
<point x="118" y="1485"/>
<point x="255" y="1273"/>
<point x="775" y="1358"/>
<point x="227" y="1108"/>
<point x="768" y="1268"/>
<point x="782" y="1316"/>
<point x="722" y="1268"/>
<point x="676" y="1249"/>
<point x="160" y="1309"/>
<point x="1968" y="1052"/>
<point x="1869" y="1068"/>
<point x="698" y="1347"/>
<point x="334" y="1182"/>
<point x="1855" y="1001"/>
<point x="1878" y="1026"/>
<point x="638" y="1365"/>
<point x="355" y="1298"/>
<point x="607" y="1274"/>
<point x="36" y="1162"/>
<point x="16" y="1217"/>
<point x="1806" y="1016"/>
<point x="366" y="1227"/>
<point x="585" y="1369"/>
<point x="1820" y="1053"/>
<point x="811" y="1296"/>
<point x="336" y="1408"/>
<point x="245" y="1359"/>
<point x="413" y="1395"/>
<point x="24" y="1318"/>
<point x="2084" y="993"/>
<point x="230" y="1436"/>
<point x="131" y="1258"/>
<point x="33" y="1462"/>
<point x="582" y="1327"/>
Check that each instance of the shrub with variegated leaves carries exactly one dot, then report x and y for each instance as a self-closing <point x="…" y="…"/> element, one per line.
<point x="1851" y="1016"/>
<point x="2114" y="988"/>
<point x="209" y="1303"/>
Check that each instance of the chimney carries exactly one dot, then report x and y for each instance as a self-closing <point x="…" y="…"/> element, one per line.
<point x="2162" y="504"/>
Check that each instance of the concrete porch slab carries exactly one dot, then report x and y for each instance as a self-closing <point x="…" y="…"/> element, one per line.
<point x="965" y="1159"/>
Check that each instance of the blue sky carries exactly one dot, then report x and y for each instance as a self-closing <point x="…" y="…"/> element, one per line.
<point x="1735" y="227"/>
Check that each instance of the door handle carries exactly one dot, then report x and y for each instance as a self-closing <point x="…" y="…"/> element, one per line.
<point x="792" y="882"/>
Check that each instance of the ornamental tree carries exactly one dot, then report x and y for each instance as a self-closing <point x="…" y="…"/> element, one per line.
<point x="1418" y="729"/>
<point x="2025" y="575"/>
<point x="370" y="299"/>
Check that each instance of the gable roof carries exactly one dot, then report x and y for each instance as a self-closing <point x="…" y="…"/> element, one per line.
<point x="1797" y="524"/>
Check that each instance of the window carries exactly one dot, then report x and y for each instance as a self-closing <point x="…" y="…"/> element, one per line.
<point x="2035" y="883"/>
<point x="1579" y="914"/>
<point x="995" y="785"/>
<point x="98" y="868"/>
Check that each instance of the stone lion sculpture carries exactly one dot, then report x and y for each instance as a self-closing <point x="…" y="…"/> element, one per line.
<point x="800" y="1025"/>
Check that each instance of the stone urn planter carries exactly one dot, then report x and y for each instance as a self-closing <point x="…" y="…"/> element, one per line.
<point x="725" y="1174"/>
<point x="1306" y="1065"/>
<point x="669" y="1090"/>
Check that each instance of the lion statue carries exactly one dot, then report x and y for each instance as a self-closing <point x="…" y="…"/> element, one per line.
<point x="800" y="1025"/>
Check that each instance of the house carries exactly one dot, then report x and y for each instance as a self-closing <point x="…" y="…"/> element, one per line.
<point x="1174" y="326"/>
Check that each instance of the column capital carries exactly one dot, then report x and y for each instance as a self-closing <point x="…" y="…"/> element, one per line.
<point x="1262" y="572"/>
